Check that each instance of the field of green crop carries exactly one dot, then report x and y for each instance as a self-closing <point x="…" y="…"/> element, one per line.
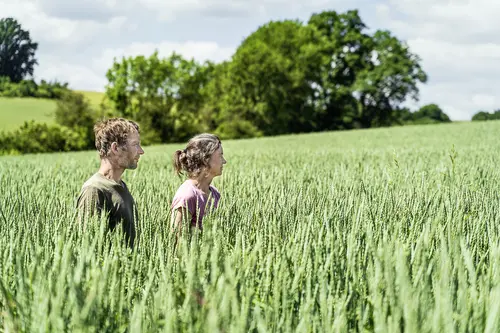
<point x="384" y="230"/>
<point x="15" y="111"/>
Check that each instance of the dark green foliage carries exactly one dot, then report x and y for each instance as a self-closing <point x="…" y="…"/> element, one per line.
<point x="73" y="131"/>
<point x="484" y="115"/>
<point x="161" y="94"/>
<point x="286" y="77"/>
<point x="329" y="73"/>
<point x="17" y="62"/>
<point x="74" y="111"/>
<point x="427" y="114"/>
<point x="17" y="51"/>
<point x="41" y="138"/>
<point x="29" y="88"/>
<point x="432" y="112"/>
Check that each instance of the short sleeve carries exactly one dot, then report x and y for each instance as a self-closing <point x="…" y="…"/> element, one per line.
<point x="184" y="200"/>
<point x="90" y="201"/>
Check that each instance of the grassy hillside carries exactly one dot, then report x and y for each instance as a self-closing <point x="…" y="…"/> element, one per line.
<point x="14" y="111"/>
<point x="94" y="97"/>
<point x="382" y="230"/>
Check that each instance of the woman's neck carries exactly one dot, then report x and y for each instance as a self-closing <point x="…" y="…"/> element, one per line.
<point x="202" y="182"/>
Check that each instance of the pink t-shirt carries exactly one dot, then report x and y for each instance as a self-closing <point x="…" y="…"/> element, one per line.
<point x="191" y="197"/>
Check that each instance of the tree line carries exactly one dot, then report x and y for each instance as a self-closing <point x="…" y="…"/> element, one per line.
<point x="288" y="76"/>
<point x="485" y="115"/>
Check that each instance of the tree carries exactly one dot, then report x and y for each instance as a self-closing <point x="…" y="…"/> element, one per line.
<point x="286" y="77"/>
<point x="404" y="116"/>
<point x="271" y="73"/>
<point x="17" y="51"/>
<point x="481" y="116"/>
<point x="389" y="79"/>
<point x="74" y="111"/>
<point x="431" y="112"/>
<point x="224" y="109"/>
<point x="378" y="70"/>
<point x="161" y="94"/>
<point x="345" y="49"/>
<point x="484" y="115"/>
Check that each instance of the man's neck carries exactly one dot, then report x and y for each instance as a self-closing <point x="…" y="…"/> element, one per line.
<point x="110" y="171"/>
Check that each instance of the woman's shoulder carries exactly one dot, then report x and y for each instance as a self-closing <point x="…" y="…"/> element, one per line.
<point x="215" y="191"/>
<point x="185" y="194"/>
<point x="186" y="188"/>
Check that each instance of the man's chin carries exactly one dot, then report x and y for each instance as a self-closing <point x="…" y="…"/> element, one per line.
<point x="132" y="166"/>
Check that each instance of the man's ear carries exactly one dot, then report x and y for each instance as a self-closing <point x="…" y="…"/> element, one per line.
<point x="114" y="147"/>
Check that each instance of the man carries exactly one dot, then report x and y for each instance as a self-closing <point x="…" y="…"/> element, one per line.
<point x="118" y="142"/>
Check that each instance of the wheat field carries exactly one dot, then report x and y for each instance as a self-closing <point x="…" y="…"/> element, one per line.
<point x="383" y="230"/>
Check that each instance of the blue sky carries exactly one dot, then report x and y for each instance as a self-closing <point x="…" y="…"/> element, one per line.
<point x="456" y="39"/>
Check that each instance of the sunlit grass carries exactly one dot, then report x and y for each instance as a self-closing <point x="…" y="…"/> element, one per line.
<point x="384" y="230"/>
<point x="15" y="111"/>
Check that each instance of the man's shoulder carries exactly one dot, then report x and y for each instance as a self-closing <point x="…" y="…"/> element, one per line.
<point x="91" y="191"/>
<point x="96" y="183"/>
<point x="93" y="188"/>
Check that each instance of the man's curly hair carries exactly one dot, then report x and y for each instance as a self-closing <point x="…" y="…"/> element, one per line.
<point x="112" y="130"/>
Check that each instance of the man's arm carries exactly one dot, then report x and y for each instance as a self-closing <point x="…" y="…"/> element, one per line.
<point x="90" y="203"/>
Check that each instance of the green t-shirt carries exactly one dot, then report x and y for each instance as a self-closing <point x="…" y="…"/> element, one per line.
<point x="99" y="194"/>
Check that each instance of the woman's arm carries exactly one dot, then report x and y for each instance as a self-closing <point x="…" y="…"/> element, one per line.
<point x="177" y="222"/>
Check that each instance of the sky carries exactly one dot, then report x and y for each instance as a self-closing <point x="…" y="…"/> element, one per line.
<point x="457" y="40"/>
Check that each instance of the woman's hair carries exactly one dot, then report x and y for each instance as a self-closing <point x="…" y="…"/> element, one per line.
<point x="197" y="154"/>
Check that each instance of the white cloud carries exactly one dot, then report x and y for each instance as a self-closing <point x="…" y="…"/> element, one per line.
<point x="92" y="75"/>
<point x="200" y="51"/>
<point x="167" y="10"/>
<point x="79" y="77"/>
<point x="457" y="61"/>
<point x="48" y="29"/>
<point x="463" y="21"/>
<point x="457" y="40"/>
<point x="460" y="103"/>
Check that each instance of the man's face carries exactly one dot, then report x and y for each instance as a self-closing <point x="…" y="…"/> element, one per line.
<point x="129" y="155"/>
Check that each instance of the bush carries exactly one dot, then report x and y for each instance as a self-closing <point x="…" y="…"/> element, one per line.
<point x="427" y="113"/>
<point x="34" y="137"/>
<point x="74" y="111"/>
<point x="484" y="116"/>
<point x="29" y="88"/>
<point x="73" y="131"/>
<point x="52" y="90"/>
<point x="423" y="121"/>
<point x="237" y="129"/>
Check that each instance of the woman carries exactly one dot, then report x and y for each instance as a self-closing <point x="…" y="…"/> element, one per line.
<point x="201" y="160"/>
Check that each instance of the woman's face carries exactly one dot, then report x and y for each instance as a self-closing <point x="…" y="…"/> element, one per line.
<point x="217" y="162"/>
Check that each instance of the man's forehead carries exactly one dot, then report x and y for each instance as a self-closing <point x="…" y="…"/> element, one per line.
<point x="133" y="136"/>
